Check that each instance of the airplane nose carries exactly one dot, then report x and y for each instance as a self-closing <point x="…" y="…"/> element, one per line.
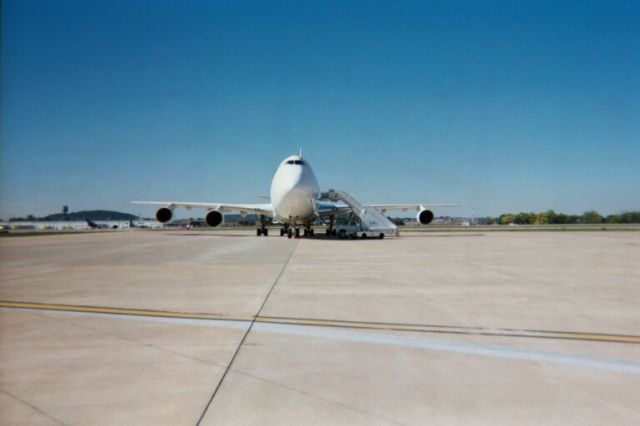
<point x="294" y="179"/>
<point x="297" y="173"/>
<point x="295" y="202"/>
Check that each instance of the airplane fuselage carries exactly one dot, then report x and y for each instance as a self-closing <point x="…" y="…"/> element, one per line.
<point x="294" y="191"/>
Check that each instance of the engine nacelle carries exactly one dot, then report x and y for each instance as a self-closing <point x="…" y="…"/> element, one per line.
<point x="214" y="218"/>
<point x="164" y="215"/>
<point x="425" y="217"/>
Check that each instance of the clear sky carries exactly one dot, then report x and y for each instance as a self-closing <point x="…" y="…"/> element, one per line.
<point x="499" y="106"/>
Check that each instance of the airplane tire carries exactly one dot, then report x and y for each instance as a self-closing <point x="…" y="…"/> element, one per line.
<point x="266" y="232"/>
<point x="259" y="232"/>
<point x="289" y="233"/>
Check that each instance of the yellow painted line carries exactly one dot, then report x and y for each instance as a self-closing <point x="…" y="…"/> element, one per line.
<point x="454" y="330"/>
<point x="117" y="311"/>
<point x="475" y="331"/>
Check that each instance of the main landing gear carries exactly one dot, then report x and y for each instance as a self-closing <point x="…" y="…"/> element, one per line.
<point x="331" y="229"/>
<point x="292" y="229"/>
<point x="290" y="232"/>
<point x="308" y="231"/>
<point x="263" y="228"/>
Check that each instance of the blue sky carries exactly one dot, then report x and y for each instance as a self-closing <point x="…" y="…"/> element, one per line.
<point x="499" y="106"/>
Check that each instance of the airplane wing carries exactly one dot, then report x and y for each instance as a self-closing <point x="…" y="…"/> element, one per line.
<point x="328" y="209"/>
<point x="404" y="207"/>
<point x="243" y="209"/>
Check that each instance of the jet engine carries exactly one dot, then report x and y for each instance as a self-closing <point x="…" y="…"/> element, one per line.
<point x="214" y="218"/>
<point x="164" y="215"/>
<point x="425" y="217"/>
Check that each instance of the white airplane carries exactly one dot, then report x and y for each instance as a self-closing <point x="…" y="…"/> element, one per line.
<point x="295" y="203"/>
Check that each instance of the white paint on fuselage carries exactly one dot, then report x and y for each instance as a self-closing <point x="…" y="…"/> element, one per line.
<point x="294" y="191"/>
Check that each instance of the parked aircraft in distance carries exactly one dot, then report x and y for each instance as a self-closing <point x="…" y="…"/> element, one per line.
<point x="296" y="202"/>
<point x="94" y="225"/>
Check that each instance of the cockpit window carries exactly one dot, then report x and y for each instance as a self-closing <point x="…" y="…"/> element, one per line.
<point x="299" y="162"/>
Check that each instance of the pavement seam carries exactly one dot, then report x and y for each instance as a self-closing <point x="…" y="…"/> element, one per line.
<point x="253" y="321"/>
<point x="44" y="413"/>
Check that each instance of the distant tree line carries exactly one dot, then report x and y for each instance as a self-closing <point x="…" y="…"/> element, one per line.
<point x="552" y="218"/>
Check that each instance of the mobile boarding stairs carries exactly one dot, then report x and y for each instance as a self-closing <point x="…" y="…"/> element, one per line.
<point x="372" y="221"/>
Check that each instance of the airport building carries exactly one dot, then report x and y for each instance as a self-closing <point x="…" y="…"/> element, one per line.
<point x="78" y="225"/>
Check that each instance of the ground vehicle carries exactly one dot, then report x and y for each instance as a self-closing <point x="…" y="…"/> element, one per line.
<point x="355" y="231"/>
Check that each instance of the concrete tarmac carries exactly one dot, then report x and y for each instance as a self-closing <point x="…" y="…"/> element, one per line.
<point x="222" y="327"/>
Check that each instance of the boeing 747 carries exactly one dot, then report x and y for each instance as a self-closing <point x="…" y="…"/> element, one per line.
<point x="296" y="203"/>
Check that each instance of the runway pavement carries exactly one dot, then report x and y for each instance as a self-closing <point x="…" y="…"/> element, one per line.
<point x="222" y="327"/>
